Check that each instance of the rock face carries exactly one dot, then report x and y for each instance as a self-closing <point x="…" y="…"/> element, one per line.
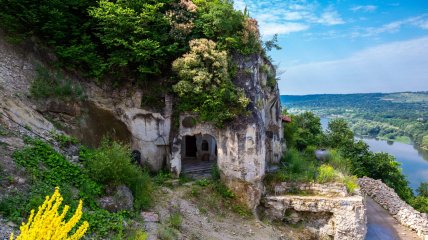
<point x="243" y="149"/>
<point x="400" y="210"/>
<point x="246" y="146"/>
<point x="327" y="215"/>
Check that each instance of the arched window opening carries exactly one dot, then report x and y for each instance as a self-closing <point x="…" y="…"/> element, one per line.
<point x="205" y="146"/>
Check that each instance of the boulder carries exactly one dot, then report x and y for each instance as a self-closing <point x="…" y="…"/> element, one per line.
<point x="121" y="200"/>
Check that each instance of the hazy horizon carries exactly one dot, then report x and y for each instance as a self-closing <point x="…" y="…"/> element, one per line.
<point x="421" y="91"/>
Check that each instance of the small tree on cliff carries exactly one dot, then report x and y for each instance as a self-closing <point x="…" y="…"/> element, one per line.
<point x="205" y="86"/>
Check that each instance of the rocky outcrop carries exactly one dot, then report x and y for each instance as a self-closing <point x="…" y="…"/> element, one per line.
<point x="244" y="148"/>
<point x="400" y="210"/>
<point x="326" y="217"/>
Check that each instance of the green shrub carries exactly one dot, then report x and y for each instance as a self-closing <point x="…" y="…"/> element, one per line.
<point x="310" y="152"/>
<point x="205" y="86"/>
<point x="223" y="190"/>
<point x="46" y="165"/>
<point x="242" y="210"/>
<point x="138" y="235"/>
<point x="215" y="173"/>
<point x="167" y="233"/>
<point x="47" y="84"/>
<point x="64" y="140"/>
<point x="104" y="223"/>
<point x="423" y="189"/>
<point x="339" y="163"/>
<point x="48" y="169"/>
<point x="298" y="167"/>
<point x="350" y="183"/>
<point x="326" y="174"/>
<point x="175" y="220"/>
<point x="111" y="164"/>
<point x="420" y="203"/>
<point x="3" y="131"/>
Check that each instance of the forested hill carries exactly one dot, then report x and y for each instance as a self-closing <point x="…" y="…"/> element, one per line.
<point x="393" y="116"/>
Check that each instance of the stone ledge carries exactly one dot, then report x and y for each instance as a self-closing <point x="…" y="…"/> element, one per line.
<point x="347" y="221"/>
<point x="329" y="189"/>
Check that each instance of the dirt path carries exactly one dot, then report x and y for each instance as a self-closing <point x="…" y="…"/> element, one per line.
<point x="382" y="226"/>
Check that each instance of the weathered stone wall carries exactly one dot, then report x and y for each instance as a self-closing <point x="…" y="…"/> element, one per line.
<point x="247" y="145"/>
<point x="328" y="189"/>
<point x="340" y="218"/>
<point x="400" y="210"/>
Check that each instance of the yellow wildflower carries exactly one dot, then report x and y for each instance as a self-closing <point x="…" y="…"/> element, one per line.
<point x="48" y="224"/>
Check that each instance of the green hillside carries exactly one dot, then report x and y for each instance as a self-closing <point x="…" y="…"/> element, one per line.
<point x="392" y="116"/>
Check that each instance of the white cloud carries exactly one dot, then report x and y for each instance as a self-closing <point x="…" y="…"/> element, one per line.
<point x="330" y="17"/>
<point x="364" y="8"/>
<point x="392" y="27"/>
<point x="397" y="66"/>
<point x="269" y="29"/>
<point x="283" y="17"/>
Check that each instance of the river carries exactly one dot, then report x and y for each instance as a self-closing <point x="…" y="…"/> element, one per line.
<point x="414" y="161"/>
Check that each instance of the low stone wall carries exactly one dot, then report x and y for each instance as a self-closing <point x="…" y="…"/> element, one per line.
<point x="328" y="189"/>
<point x="400" y="210"/>
<point x="329" y="217"/>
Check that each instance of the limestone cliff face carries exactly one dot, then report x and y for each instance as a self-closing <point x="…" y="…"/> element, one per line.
<point x="243" y="148"/>
<point x="247" y="145"/>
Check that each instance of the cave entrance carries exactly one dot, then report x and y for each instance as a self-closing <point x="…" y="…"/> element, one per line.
<point x="199" y="154"/>
<point x="191" y="148"/>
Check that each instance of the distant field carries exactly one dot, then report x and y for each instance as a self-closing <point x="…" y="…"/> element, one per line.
<point x="392" y="116"/>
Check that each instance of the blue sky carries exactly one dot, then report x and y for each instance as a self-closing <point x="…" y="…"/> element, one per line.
<point x="346" y="46"/>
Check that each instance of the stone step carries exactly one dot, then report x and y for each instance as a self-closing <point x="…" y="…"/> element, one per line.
<point x="196" y="169"/>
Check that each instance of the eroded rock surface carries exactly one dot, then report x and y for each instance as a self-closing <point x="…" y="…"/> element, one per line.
<point x="338" y="218"/>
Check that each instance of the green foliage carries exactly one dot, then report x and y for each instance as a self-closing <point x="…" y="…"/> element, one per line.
<point x="394" y="117"/>
<point x="135" y="34"/>
<point x="64" y="140"/>
<point x="420" y="203"/>
<point x="214" y="195"/>
<point x="272" y="44"/>
<point x="205" y="86"/>
<point x="111" y="164"/>
<point x="350" y="183"/>
<point x="326" y="174"/>
<point x="138" y="235"/>
<point x="219" y="21"/>
<point x="167" y="233"/>
<point x="63" y="25"/>
<point x="3" y="130"/>
<point x="50" y="167"/>
<point x="303" y="131"/>
<point x="298" y="167"/>
<point x="271" y="80"/>
<point x="104" y="223"/>
<point x="338" y="133"/>
<point x="339" y="163"/>
<point x="54" y="85"/>
<point x="423" y="189"/>
<point x="175" y="220"/>
<point x="425" y="142"/>
<point x="215" y="173"/>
